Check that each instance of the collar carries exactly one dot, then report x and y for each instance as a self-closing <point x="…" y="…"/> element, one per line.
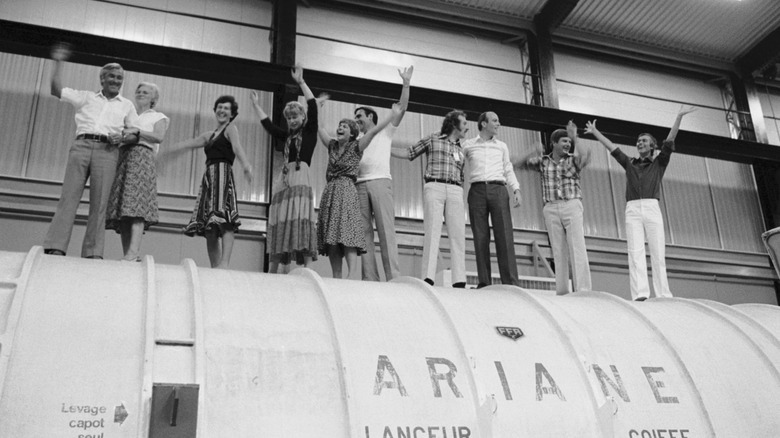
<point x="100" y="94"/>
<point x="445" y="138"/>
<point x="640" y="160"/>
<point x="479" y="139"/>
<point x="550" y="157"/>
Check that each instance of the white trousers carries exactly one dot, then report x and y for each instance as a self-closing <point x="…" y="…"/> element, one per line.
<point x="644" y="220"/>
<point x="444" y="201"/>
<point x="567" y="239"/>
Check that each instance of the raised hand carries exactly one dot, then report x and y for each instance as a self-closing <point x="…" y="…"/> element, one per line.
<point x="677" y="120"/>
<point x="322" y="98"/>
<point x="406" y="74"/>
<point x="254" y="97"/>
<point x="60" y="51"/>
<point x="297" y="74"/>
<point x="590" y="127"/>
<point x="685" y="110"/>
<point x="571" y="129"/>
<point x="397" y="109"/>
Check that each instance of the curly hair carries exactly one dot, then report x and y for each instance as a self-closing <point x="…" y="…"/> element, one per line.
<point x="233" y="104"/>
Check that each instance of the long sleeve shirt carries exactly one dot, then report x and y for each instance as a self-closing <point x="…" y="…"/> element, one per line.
<point x="643" y="175"/>
<point x="489" y="161"/>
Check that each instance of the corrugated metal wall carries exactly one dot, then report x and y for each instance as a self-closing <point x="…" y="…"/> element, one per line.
<point x="237" y="28"/>
<point x="770" y="105"/>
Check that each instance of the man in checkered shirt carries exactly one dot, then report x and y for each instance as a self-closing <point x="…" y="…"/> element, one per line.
<point x="562" y="212"/>
<point x="443" y="194"/>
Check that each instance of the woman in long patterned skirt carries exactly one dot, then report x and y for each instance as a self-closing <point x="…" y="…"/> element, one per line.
<point x="216" y="213"/>
<point x="132" y="205"/>
<point x="291" y="234"/>
<point x="340" y="231"/>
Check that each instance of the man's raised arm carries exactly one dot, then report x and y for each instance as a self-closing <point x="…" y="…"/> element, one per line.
<point x="406" y="76"/>
<point x="676" y="126"/>
<point x="60" y="53"/>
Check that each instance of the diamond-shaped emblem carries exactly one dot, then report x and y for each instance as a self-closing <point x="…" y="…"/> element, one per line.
<point x="512" y="333"/>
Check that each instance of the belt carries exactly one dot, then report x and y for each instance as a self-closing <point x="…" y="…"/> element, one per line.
<point x="96" y="137"/>
<point x="443" y="181"/>
<point x="498" y="183"/>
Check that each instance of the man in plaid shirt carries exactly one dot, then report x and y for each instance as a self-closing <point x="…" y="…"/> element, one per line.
<point x="443" y="194"/>
<point x="562" y="212"/>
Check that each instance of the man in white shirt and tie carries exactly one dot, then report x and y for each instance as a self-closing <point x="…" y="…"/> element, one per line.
<point x="490" y="171"/>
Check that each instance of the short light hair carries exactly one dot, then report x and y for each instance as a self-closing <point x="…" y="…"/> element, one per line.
<point x="155" y="91"/>
<point x="294" y="107"/>
<point x="109" y="67"/>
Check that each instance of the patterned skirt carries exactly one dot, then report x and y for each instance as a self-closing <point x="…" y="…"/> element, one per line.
<point x="340" y="221"/>
<point x="291" y="232"/>
<point x="134" y="191"/>
<point x="216" y="207"/>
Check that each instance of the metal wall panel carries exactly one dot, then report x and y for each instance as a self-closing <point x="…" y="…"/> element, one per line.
<point x="596" y="183"/>
<point x="737" y="206"/>
<point x="770" y="106"/>
<point x="617" y="177"/>
<point x="17" y="92"/>
<point x="407" y="175"/>
<point x="55" y="129"/>
<point x="636" y="94"/>
<point x="228" y="27"/>
<point x="520" y="143"/>
<point x="690" y="210"/>
<point x="355" y="45"/>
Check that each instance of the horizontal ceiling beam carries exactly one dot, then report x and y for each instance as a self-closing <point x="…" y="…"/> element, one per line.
<point x="35" y="41"/>
<point x="554" y="12"/>
<point x="765" y="53"/>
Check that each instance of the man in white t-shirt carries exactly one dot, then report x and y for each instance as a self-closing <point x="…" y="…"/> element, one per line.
<point x="375" y="188"/>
